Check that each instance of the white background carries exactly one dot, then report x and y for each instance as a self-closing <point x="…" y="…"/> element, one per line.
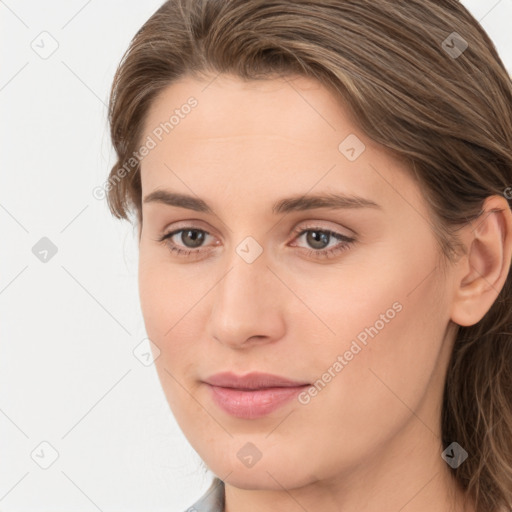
<point x="68" y="375"/>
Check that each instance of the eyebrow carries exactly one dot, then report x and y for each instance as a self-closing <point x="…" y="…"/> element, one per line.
<point x="294" y="203"/>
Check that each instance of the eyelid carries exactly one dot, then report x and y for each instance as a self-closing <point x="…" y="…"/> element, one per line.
<point x="189" y="223"/>
<point x="318" y="225"/>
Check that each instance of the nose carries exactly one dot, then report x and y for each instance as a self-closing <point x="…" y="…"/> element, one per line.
<point x="248" y="305"/>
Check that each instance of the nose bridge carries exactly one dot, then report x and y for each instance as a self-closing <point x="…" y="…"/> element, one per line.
<point x="246" y="301"/>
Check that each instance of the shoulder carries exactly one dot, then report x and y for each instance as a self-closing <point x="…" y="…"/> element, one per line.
<point x="212" y="500"/>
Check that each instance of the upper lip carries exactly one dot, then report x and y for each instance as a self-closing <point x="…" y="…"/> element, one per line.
<point x="253" y="380"/>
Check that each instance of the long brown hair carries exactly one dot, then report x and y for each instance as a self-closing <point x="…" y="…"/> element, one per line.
<point x="423" y="79"/>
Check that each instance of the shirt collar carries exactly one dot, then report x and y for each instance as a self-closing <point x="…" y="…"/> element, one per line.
<point x="212" y="500"/>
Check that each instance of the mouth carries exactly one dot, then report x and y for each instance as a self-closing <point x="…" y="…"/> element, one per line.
<point x="253" y="395"/>
<point x="252" y="381"/>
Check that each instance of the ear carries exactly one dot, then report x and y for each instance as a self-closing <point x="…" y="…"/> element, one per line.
<point x="481" y="273"/>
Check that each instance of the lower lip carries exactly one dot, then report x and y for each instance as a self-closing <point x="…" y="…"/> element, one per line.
<point x="253" y="404"/>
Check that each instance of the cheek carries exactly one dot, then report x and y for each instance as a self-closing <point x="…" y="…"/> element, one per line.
<point x="175" y="301"/>
<point x="379" y="364"/>
<point x="162" y="290"/>
<point x="167" y="302"/>
<point x="165" y="297"/>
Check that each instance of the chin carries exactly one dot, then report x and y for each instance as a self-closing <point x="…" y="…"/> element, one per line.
<point x="270" y="473"/>
<point x="275" y="479"/>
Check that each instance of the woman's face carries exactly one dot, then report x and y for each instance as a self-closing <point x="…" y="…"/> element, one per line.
<point x="345" y="297"/>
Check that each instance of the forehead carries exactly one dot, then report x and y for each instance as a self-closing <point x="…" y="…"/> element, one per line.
<point x="269" y="106"/>
<point x="226" y="134"/>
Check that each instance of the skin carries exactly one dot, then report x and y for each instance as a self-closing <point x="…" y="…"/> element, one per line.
<point x="370" y="440"/>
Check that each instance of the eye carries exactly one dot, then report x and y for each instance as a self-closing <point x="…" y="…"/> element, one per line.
<point x="318" y="238"/>
<point x="191" y="237"/>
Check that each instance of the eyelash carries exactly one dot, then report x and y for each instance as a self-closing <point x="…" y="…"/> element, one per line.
<point x="316" y="253"/>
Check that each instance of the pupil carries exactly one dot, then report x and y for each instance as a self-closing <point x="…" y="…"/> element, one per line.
<point x="318" y="237"/>
<point x="195" y="236"/>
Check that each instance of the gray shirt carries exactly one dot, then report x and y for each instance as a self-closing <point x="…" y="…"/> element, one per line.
<point x="212" y="500"/>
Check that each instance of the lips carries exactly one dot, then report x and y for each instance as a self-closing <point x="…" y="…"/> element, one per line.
<point x="252" y="381"/>
<point x="253" y="395"/>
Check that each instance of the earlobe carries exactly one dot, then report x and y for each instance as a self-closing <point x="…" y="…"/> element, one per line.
<point x="482" y="272"/>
